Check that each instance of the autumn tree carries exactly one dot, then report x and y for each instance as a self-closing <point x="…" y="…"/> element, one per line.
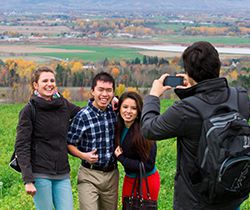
<point x="25" y="68"/>
<point x="106" y="62"/>
<point x="12" y="76"/>
<point x="66" y="94"/>
<point x="62" y="73"/>
<point x="136" y="61"/>
<point x="3" y="74"/>
<point x="115" y="72"/>
<point x="144" y="60"/>
<point x="234" y="75"/>
<point x="163" y="61"/>
<point x="120" y="90"/>
<point x="76" y="66"/>
<point x="18" y="73"/>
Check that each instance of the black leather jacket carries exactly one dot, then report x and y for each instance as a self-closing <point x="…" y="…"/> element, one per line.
<point x="41" y="146"/>
<point x="183" y="122"/>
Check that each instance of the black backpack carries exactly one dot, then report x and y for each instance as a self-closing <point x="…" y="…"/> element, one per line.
<point x="223" y="156"/>
<point x="13" y="160"/>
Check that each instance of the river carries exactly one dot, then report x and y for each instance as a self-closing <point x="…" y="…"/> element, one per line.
<point x="179" y="48"/>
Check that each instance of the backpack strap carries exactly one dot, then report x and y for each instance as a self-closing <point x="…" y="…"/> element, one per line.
<point x="205" y="109"/>
<point x="33" y="112"/>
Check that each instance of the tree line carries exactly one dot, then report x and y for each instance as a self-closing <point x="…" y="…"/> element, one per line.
<point x="136" y="73"/>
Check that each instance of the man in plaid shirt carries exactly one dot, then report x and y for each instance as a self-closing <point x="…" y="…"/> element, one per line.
<point x="91" y="138"/>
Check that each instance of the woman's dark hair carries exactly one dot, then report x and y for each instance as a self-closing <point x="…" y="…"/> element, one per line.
<point x="201" y="61"/>
<point x="142" y="145"/>
<point x="36" y="74"/>
<point x="103" y="76"/>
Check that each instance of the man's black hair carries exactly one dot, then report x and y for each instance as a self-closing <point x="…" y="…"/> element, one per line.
<point x="103" y="76"/>
<point x="201" y="61"/>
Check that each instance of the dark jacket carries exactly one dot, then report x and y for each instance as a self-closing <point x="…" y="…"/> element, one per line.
<point x="183" y="122"/>
<point x="130" y="158"/>
<point x="41" y="146"/>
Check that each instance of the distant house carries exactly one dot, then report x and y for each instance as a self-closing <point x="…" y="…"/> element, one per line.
<point x="89" y="67"/>
<point x="13" y="39"/>
<point x="181" y="21"/>
<point x="125" y="35"/>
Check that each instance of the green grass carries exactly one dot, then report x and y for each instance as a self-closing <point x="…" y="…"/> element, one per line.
<point x="95" y="53"/>
<point x="179" y="26"/>
<point x="14" y="196"/>
<point x="227" y="40"/>
<point x="172" y="26"/>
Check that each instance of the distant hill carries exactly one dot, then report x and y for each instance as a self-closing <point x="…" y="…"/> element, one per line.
<point x="126" y="5"/>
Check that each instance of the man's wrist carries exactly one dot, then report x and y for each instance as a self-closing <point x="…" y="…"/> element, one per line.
<point x="154" y="93"/>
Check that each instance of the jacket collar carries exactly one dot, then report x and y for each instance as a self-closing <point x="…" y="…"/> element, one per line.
<point x="46" y="105"/>
<point x="207" y="86"/>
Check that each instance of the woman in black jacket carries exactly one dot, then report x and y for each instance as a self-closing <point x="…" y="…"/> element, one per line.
<point x="41" y="144"/>
<point x="133" y="148"/>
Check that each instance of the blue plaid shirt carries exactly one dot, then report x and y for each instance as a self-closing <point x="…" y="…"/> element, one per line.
<point x="92" y="129"/>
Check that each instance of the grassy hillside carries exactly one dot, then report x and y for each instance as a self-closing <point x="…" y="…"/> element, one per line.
<point x="94" y="53"/>
<point x="14" y="197"/>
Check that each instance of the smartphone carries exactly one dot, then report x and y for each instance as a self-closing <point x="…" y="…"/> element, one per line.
<point x="173" y="81"/>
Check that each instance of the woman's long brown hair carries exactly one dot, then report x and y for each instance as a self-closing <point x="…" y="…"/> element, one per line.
<point x="142" y="145"/>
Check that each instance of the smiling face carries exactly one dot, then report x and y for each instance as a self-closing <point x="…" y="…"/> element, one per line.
<point x="103" y="93"/>
<point x="46" y="85"/>
<point x="128" y="111"/>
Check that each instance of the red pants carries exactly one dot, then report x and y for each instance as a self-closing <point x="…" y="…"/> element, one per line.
<point x="153" y="182"/>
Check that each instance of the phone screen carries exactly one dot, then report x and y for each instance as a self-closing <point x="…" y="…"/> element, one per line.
<point x="173" y="81"/>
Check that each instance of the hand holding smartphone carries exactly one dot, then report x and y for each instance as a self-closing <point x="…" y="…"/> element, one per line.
<point x="173" y="81"/>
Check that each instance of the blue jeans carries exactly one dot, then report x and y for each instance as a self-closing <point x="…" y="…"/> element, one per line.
<point x="238" y="208"/>
<point x="53" y="194"/>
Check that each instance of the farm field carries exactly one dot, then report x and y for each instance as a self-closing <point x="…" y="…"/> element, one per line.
<point x="14" y="197"/>
<point x="69" y="52"/>
<point x="94" y="53"/>
<point x="27" y="49"/>
<point x="98" y="53"/>
<point x="35" y="29"/>
<point x="219" y="40"/>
